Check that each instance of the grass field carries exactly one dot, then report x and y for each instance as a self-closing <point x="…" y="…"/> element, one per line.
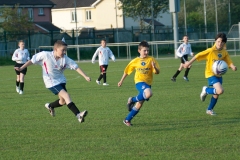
<point x="172" y="125"/>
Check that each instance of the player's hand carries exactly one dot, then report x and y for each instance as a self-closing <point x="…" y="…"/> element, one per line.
<point x="119" y="84"/>
<point x="234" y="68"/>
<point x="192" y="54"/>
<point x="17" y="69"/>
<point x="87" y="78"/>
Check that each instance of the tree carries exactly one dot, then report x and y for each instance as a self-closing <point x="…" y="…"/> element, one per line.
<point x="15" y="22"/>
<point x="142" y="9"/>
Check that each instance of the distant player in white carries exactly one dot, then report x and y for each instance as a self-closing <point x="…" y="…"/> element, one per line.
<point x="53" y="64"/>
<point x="182" y="52"/>
<point x="103" y="53"/>
<point x="21" y="56"/>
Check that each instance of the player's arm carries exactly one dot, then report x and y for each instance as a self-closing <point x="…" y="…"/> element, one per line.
<point x="14" y="57"/>
<point x="28" y="63"/>
<point x="83" y="74"/>
<point x="179" y="54"/>
<point x="156" y="69"/>
<point x="95" y="55"/>
<point x="122" y="79"/>
<point x="233" y="67"/>
<point x="188" y="63"/>
<point x="111" y="55"/>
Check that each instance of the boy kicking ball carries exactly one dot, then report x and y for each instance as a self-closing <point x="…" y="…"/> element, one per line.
<point x="145" y="66"/>
<point x="217" y="52"/>
<point x="53" y="64"/>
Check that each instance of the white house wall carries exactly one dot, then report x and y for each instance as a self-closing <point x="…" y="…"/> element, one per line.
<point x="62" y="18"/>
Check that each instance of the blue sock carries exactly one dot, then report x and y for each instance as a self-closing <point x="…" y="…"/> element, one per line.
<point x="211" y="90"/>
<point x="212" y="103"/>
<point x="133" y="113"/>
<point x="139" y="97"/>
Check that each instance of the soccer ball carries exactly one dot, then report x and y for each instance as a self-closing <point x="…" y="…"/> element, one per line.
<point x="219" y="67"/>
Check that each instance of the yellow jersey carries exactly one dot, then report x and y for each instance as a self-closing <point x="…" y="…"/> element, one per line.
<point x="144" y="69"/>
<point x="211" y="55"/>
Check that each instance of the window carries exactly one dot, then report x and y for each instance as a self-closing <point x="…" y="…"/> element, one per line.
<point x="30" y="13"/>
<point x="88" y="15"/>
<point x="40" y="11"/>
<point x="73" y="16"/>
<point x="19" y="11"/>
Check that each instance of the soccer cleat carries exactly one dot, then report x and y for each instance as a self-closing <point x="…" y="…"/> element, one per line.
<point x="211" y="112"/>
<point x="81" y="116"/>
<point x="20" y="92"/>
<point x="173" y="79"/>
<point x="17" y="89"/>
<point x="185" y="78"/>
<point x="98" y="82"/>
<point x="203" y="94"/>
<point x="130" y="104"/>
<point x="105" y="84"/>
<point x="127" y="123"/>
<point x="51" y="110"/>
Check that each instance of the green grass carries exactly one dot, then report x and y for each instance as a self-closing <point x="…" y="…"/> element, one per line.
<point x="172" y="125"/>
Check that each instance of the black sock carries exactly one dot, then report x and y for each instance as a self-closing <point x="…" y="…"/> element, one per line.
<point x="17" y="83"/>
<point x="176" y="74"/>
<point x="104" y="77"/>
<point x="186" y="72"/>
<point x="100" y="77"/>
<point x="21" y="86"/>
<point x="73" y="108"/>
<point x="55" y="104"/>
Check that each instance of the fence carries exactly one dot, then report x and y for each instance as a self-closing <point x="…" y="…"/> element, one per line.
<point x="158" y="49"/>
<point x="121" y="37"/>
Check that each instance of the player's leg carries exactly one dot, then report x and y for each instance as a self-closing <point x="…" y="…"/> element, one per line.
<point x="104" y="71"/>
<point x="21" y="86"/>
<point x="145" y="92"/>
<point x="17" y="82"/>
<point x="64" y="96"/>
<point x="100" y="76"/>
<point x="133" y="113"/>
<point x="185" y="59"/>
<point x="217" y="89"/>
<point x="17" y="79"/>
<point x="179" y="70"/>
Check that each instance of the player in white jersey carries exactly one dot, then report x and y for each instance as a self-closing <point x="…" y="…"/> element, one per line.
<point x="53" y="64"/>
<point x="103" y="53"/>
<point x="182" y="52"/>
<point x="21" y="56"/>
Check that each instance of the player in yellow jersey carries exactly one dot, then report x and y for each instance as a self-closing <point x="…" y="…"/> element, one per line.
<point x="145" y="66"/>
<point x="217" y="52"/>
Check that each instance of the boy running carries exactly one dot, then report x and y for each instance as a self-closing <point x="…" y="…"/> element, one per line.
<point x="183" y="51"/>
<point x="103" y="53"/>
<point x="53" y="64"/>
<point x="217" y="52"/>
<point x="145" y="66"/>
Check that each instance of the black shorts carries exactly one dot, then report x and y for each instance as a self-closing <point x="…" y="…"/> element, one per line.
<point x="184" y="58"/>
<point x="103" y="68"/>
<point x="24" y="71"/>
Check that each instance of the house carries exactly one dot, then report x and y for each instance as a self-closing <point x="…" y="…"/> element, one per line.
<point x="38" y="11"/>
<point x="97" y="14"/>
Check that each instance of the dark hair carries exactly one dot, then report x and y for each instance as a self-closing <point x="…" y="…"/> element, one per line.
<point x="103" y="40"/>
<point x="143" y="44"/>
<point x="223" y="36"/>
<point x="21" y="41"/>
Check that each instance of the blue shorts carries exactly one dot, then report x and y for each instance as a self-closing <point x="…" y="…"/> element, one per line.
<point x="212" y="80"/>
<point x="141" y="86"/>
<point x="56" y="89"/>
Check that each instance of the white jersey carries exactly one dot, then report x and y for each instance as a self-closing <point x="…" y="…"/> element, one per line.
<point x="184" y="49"/>
<point x="103" y="54"/>
<point x="21" y="56"/>
<point x="52" y="70"/>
